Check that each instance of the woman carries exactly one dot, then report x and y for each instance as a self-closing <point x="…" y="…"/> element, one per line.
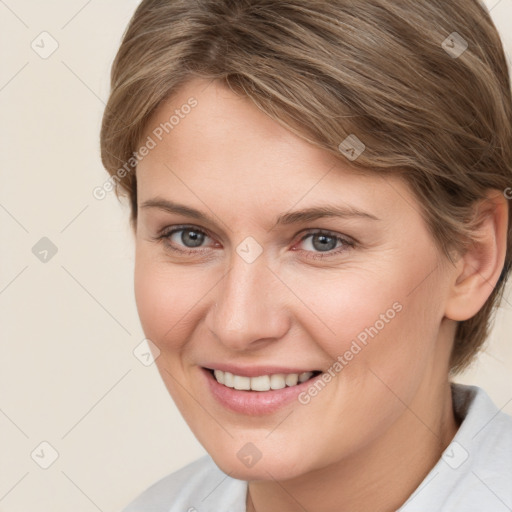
<point x="318" y="198"/>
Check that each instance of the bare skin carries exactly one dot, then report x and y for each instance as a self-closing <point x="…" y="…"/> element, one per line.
<point x="367" y="440"/>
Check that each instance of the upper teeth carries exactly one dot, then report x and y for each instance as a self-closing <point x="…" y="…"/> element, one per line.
<point x="261" y="383"/>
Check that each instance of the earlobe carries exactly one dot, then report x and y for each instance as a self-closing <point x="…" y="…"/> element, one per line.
<point x="478" y="270"/>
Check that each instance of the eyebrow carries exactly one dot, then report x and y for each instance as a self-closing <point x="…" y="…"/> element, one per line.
<point x="295" y="217"/>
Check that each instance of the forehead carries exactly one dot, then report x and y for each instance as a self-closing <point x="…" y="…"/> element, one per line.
<point x="213" y="145"/>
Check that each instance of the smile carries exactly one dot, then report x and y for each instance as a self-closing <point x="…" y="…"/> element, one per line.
<point x="260" y="390"/>
<point x="262" y="382"/>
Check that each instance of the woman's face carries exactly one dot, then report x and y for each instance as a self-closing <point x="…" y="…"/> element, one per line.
<point x="237" y="280"/>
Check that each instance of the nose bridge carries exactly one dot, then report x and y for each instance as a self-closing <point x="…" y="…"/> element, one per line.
<point x="246" y="307"/>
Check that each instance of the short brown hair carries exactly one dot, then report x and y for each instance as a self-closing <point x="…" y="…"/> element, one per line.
<point x="396" y="75"/>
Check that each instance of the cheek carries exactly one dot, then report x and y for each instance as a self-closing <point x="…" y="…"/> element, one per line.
<point x="372" y="319"/>
<point x="347" y="304"/>
<point x="165" y="296"/>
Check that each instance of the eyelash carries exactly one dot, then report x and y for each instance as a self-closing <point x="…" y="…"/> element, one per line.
<point x="347" y="244"/>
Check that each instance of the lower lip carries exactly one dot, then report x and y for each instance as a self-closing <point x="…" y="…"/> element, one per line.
<point x="254" y="403"/>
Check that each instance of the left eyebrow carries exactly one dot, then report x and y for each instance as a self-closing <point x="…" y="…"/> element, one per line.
<point x="294" y="217"/>
<point x="319" y="212"/>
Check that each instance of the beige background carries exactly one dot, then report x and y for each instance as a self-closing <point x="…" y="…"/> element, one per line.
<point x="68" y="375"/>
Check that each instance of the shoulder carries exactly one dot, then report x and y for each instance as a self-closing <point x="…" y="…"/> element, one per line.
<point x="475" y="471"/>
<point x="488" y="443"/>
<point x="485" y="427"/>
<point x="197" y="487"/>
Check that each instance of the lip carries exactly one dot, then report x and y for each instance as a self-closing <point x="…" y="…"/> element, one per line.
<point x="254" y="403"/>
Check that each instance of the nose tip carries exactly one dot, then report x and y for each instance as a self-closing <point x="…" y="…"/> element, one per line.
<point x="247" y="311"/>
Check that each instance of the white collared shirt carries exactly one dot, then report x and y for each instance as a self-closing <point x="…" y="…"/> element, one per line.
<point x="474" y="474"/>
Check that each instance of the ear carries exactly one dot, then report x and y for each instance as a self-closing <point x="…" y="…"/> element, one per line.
<point x="478" y="270"/>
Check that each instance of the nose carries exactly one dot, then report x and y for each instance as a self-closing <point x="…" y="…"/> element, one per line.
<point x="249" y="307"/>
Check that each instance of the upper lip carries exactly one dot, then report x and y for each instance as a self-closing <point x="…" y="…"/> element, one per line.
<point x="255" y="371"/>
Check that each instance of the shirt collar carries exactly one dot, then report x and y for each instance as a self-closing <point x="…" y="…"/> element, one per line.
<point x="473" y="472"/>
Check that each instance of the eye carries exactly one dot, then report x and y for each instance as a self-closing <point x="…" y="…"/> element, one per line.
<point x="325" y="243"/>
<point x="189" y="238"/>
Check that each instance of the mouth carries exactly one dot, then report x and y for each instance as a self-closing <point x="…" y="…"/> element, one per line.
<point x="262" y="383"/>
<point x="257" y="390"/>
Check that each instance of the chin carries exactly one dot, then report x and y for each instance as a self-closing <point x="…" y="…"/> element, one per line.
<point x="267" y="468"/>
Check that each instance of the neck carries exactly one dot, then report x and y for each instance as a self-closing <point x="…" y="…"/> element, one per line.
<point x="379" y="478"/>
